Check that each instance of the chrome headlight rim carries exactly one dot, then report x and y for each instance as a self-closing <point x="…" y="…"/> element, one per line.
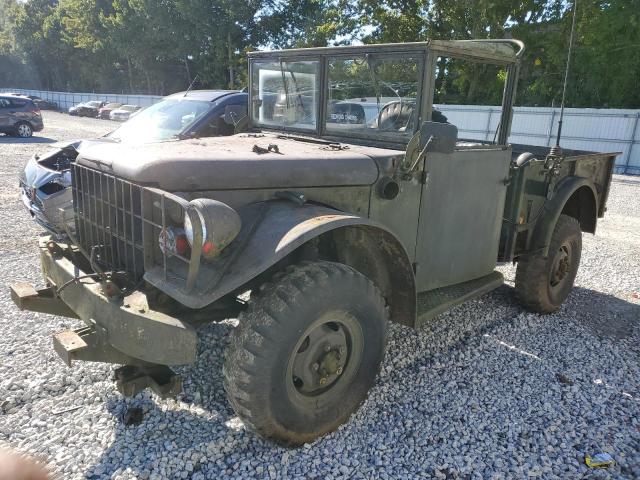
<point x="188" y="224"/>
<point x="210" y="225"/>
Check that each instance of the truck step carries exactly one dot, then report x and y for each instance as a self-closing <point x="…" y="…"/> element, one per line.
<point x="433" y="302"/>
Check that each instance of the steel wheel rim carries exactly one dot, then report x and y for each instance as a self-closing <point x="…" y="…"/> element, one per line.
<point x="24" y="130"/>
<point x="326" y="357"/>
<point x="561" y="266"/>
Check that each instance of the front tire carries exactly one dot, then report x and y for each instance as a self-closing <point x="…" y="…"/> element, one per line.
<point x="24" y="130"/>
<point x="306" y="352"/>
<point x="543" y="283"/>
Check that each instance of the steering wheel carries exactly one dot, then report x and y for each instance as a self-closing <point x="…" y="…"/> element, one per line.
<point x="390" y="116"/>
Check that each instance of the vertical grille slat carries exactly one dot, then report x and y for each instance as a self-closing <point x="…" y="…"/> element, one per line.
<point x="164" y="225"/>
<point x="123" y="210"/>
<point x="83" y="206"/>
<point x="108" y="216"/>
<point x="94" y="197"/>
<point x="88" y="205"/>
<point x="116" y="214"/>
<point x="133" y="228"/>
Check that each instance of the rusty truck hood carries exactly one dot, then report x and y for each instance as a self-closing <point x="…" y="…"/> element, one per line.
<point x="230" y="163"/>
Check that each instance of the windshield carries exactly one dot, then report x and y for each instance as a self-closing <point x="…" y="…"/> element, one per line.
<point x="371" y="96"/>
<point x="93" y="104"/>
<point x="161" y="121"/>
<point x="285" y="94"/>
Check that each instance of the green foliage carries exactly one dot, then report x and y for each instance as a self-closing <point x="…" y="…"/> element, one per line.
<point x="605" y="66"/>
<point x="150" y="46"/>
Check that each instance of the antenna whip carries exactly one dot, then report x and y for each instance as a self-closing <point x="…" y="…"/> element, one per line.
<point x="556" y="150"/>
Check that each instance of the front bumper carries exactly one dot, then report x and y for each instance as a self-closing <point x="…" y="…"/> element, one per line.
<point x="47" y="211"/>
<point x="121" y="330"/>
<point x="37" y="124"/>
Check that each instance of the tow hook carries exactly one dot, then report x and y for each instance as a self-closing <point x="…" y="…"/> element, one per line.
<point x="110" y="289"/>
<point x="54" y="249"/>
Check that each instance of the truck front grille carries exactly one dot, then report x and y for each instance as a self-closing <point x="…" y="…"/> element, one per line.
<point x="108" y="219"/>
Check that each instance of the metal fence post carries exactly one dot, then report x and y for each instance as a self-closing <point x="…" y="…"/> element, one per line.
<point x="553" y="118"/>
<point x="632" y="142"/>
<point x="488" y="129"/>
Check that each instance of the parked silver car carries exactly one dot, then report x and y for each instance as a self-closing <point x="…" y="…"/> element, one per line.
<point x="44" y="186"/>
<point x="123" y="113"/>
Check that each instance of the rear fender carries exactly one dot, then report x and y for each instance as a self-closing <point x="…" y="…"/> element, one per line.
<point x="570" y="190"/>
<point x="273" y="230"/>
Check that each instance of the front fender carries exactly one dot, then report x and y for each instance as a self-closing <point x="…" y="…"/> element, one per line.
<point x="545" y="225"/>
<point x="274" y="229"/>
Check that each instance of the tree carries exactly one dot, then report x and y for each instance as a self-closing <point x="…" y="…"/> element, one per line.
<point x="150" y="46"/>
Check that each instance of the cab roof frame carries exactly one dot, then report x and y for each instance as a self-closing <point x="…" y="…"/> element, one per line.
<point x="505" y="52"/>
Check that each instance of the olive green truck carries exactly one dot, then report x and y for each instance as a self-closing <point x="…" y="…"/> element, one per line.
<point x="347" y="201"/>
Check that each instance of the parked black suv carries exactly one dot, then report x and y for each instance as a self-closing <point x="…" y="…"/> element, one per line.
<point x="19" y="116"/>
<point x="42" y="103"/>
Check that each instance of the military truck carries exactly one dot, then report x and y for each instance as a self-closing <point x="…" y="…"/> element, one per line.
<point x="315" y="227"/>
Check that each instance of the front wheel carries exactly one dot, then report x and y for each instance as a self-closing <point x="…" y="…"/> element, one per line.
<point x="543" y="283"/>
<point x="24" y="130"/>
<point x="306" y="352"/>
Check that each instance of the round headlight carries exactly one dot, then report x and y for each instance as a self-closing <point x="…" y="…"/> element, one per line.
<point x="173" y="241"/>
<point x="219" y="222"/>
<point x="188" y="226"/>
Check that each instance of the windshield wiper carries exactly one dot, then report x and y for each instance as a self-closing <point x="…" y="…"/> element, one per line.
<point x="374" y="79"/>
<point x="284" y="85"/>
<point x="297" y="138"/>
<point x="295" y="84"/>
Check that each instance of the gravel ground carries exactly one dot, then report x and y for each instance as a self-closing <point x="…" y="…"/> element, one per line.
<point x="487" y="391"/>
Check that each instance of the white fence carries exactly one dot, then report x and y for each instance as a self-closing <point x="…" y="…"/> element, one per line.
<point x="598" y="130"/>
<point x="67" y="99"/>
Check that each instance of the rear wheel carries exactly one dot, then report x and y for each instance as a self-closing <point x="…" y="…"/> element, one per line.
<point x="24" y="130"/>
<point x="306" y="352"/>
<point x="543" y="283"/>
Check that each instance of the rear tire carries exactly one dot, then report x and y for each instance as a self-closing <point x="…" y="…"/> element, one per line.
<point x="543" y="283"/>
<point x="24" y="130"/>
<point x="306" y="352"/>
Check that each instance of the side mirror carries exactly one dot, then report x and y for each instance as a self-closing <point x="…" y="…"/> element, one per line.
<point x="432" y="137"/>
<point x="234" y="113"/>
<point x="442" y="136"/>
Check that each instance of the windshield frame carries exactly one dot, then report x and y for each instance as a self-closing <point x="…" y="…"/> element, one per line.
<point x="320" y="98"/>
<point x="496" y="52"/>
<point x="387" y="139"/>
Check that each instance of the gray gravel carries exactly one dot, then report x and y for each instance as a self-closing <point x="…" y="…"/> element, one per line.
<point x="486" y="391"/>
